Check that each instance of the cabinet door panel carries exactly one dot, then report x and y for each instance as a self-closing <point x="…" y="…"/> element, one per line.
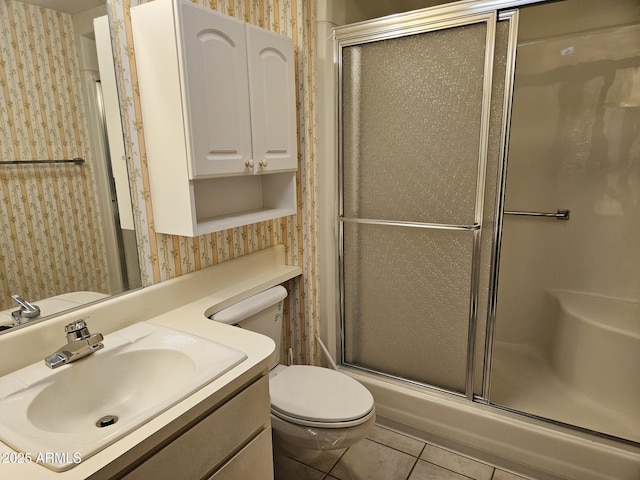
<point x="255" y="461"/>
<point x="209" y="444"/>
<point x="273" y="100"/>
<point x="216" y="86"/>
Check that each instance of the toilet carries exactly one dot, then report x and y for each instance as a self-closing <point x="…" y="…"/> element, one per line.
<point x="312" y="408"/>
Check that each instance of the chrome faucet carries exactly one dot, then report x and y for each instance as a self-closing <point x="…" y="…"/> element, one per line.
<point x="26" y="313"/>
<point x="80" y="343"/>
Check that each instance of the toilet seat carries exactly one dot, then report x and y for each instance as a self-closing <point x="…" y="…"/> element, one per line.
<point x="309" y="423"/>
<point x="319" y="397"/>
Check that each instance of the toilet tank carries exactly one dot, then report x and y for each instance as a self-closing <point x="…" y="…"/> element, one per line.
<point x="260" y="313"/>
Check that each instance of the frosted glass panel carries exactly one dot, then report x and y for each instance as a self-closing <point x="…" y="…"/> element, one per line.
<point x="407" y="302"/>
<point x="411" y="129"/>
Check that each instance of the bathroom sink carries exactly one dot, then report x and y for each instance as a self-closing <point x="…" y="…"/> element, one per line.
<point x="74" y="411"/>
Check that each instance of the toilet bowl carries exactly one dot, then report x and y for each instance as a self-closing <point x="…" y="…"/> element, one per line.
<point x="313" y="409"/>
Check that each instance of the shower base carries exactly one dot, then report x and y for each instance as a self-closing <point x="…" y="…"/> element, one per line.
<point x="523" y="380"/>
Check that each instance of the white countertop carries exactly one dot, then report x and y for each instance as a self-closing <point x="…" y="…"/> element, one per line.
<point x="183" y="304"/>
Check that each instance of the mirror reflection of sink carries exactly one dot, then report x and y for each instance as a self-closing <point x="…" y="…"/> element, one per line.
<point x="52" y="305"/>
<point x="80" y="408"/>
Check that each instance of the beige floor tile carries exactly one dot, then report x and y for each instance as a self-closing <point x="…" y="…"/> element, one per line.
<point x="502" y="475"/>
<point x="286" y="468"/>
<point x="326" y="461"/>
<point x="396" y="440"/>
<point x="368" y="460"/>
<point x="457" y="463"/>
<point x="428" y="471"/>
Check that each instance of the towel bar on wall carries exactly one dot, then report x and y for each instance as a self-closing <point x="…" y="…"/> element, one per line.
<point x="559" y="215"/>
<point x="75" y="161"/>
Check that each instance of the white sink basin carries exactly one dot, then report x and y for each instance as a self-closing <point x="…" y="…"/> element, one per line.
<point x="141" y="371"/>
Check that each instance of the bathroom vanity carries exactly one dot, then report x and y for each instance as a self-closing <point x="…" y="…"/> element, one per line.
<point x="222" y="430"/>
<point x="233" y="441"/>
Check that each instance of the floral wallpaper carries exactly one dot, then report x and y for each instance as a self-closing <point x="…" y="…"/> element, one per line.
<point x="50" y="226"/>
<point x="165" y="256"/>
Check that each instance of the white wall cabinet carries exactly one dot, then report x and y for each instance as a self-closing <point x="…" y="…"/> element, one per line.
<point x="219" y="115"/>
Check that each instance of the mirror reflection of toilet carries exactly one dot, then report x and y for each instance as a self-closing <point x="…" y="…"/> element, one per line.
<point x="312" y="408"/>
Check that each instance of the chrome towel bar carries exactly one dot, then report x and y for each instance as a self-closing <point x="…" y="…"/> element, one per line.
<point x="75" y="161"/>
<point x="559" y="215"/>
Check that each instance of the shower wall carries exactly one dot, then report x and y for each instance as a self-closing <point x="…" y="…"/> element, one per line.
<point x="575" y="144"/>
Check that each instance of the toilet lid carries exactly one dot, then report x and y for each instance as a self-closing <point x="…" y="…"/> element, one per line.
<point x="319" y="395"/>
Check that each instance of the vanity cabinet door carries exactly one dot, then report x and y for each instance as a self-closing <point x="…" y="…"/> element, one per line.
<point x="273" y="100"/>
<point x="220" y="439"/>
<point x="217" y="101"/>
<point x="255" y="461"/>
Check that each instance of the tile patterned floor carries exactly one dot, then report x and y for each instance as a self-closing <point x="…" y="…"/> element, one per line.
<point x="388" y="455"/>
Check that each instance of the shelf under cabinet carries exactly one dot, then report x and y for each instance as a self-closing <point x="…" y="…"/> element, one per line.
<point x="224" y="222"/>
<point x="228" y="202"/>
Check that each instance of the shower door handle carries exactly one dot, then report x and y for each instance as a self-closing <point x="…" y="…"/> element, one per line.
<point x="561" y="214"/>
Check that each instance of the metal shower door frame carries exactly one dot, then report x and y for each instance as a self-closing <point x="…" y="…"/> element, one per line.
<point x="428" y="20"/>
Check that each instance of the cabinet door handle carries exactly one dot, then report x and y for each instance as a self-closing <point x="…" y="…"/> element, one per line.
<point x="263" y="163"/>
<point x="248" y="163"/>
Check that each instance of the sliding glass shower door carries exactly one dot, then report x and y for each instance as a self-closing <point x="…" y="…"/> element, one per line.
<point x="567" y="329"/>
<point x="412" y="189"/>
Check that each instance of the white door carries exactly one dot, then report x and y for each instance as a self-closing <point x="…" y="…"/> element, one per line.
<point x="216" y="92"/>
<point x="273" y="100"/>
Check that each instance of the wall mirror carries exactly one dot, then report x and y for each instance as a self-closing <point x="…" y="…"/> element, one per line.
<point x="66" y="225"/>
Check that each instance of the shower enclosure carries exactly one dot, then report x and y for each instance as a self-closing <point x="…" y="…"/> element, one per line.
<point x="488" y="198"/>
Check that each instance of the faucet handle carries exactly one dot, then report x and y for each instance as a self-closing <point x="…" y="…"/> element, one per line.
<point x="77" y="330"/>
<point x="76" y="325"/>
<point x="27" y="310"/>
